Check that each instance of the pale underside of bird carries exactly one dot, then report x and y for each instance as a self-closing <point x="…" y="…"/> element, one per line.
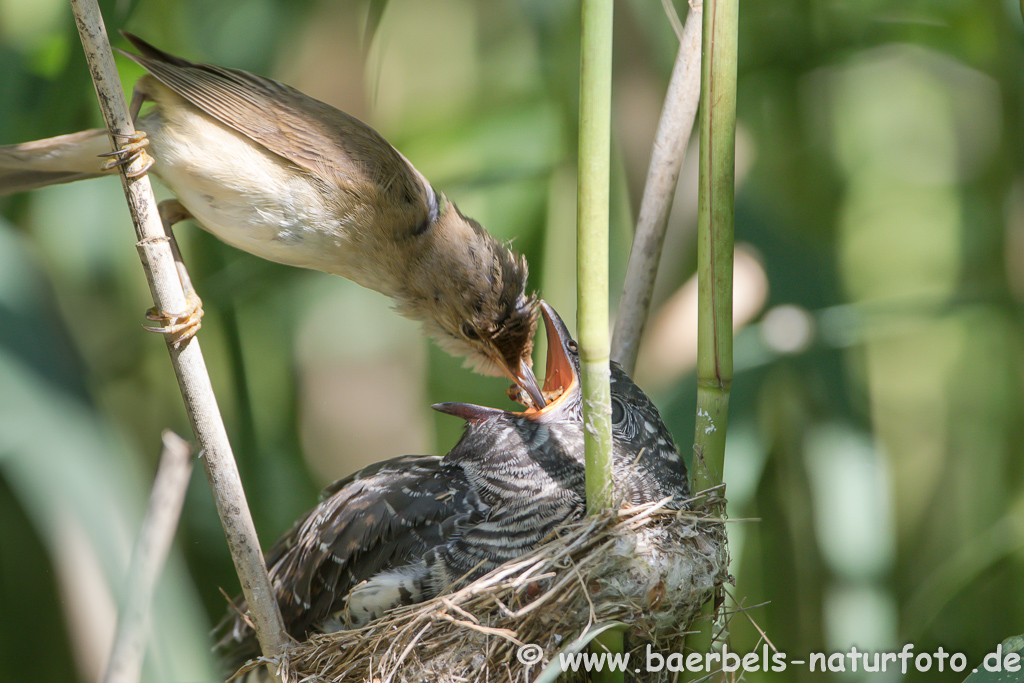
<point x="288" y="178"/>
<point x="410" y="528"/>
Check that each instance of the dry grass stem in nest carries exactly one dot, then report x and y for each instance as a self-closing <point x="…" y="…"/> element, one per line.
<point x="645" y="566"/>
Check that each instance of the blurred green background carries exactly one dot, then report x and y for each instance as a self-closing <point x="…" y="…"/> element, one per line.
<point x="877" y="423"/>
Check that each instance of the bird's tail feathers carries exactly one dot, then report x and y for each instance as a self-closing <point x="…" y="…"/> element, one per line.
<point x="62" y="159"/>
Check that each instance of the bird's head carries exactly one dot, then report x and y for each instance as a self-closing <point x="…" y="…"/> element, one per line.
<point x="473" y="300"/>
<point x="561" y="397"/>
<point x="499" y="331"/>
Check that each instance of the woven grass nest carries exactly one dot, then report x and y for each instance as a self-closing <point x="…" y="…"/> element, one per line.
<point x="645" y="566"/>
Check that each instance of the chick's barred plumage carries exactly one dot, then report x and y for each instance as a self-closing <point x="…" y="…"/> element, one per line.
<point x="407" y="529"/>
<point x="366" y="523"/>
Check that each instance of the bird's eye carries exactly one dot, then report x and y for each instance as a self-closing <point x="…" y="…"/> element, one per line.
<point x="573" y="348"/>
<point x="469" y="331"/>
<point x="618" y="411"/>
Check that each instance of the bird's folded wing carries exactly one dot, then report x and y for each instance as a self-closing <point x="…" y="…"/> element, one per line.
<point x="329" y="143"/>
<point x="382" y="517"/>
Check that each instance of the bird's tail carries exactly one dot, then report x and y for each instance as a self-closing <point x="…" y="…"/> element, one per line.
<point x="51" y="161"/>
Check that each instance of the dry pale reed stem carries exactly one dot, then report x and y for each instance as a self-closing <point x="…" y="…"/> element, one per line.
<point x="148" y="558"/>
<point x="670" y="143"/>
<point x="187" y="358"/>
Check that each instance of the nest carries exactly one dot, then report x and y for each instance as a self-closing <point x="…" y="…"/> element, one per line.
<point x="645" y="566"/>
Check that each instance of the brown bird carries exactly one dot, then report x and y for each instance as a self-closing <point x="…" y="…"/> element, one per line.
<point x="283" y="176"/>
<point x="406" y="529"/>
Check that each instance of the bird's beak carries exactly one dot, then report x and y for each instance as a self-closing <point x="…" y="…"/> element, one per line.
<point x="528" y="381"/>
<point x="468" y="411"/>
<point x="474" y="413"/>
<point x="522" y="376"/>
<point x="561" y="379"/>
<point x="560" y="376"/>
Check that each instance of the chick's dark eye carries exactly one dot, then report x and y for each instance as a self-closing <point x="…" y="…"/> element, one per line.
<point x="469" y="331"/>
<point x="572" y="346"/>
<point x="618" y="411"/>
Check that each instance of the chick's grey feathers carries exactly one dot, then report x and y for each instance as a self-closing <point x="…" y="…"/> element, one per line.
<point x="371" y="521"/>
<point x="407" y="529"/>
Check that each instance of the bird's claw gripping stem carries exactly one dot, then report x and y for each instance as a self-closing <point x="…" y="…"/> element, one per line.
<point x="133" y="149"/>
<point x="179" y="326"/>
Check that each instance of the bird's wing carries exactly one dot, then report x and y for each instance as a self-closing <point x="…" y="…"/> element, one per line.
<point x="329" y="143"/>
<point x="383" y="516"/>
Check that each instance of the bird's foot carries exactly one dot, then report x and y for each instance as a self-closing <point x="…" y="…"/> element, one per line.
<point x="180" y="327"/>
<point x="172" y="212"/>
<point x="134" y="149"/>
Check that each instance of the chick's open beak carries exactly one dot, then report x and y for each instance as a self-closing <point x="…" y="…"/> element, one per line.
<point x="560" y="377"/>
